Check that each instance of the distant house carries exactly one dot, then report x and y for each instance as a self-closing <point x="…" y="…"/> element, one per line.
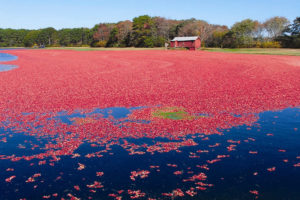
<point x="192" y="43"/>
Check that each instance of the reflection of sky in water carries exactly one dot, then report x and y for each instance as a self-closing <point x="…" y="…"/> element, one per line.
<point x="20" y="48"/>
<point x="118" y="114"/>
<point x="4" y="68"/>
<point x="232" y="177"/>
<point x="7" y="57"/>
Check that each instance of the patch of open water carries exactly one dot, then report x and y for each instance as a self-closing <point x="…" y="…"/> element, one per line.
<point x="272" y="142"/>
<point x="4" y="57"/>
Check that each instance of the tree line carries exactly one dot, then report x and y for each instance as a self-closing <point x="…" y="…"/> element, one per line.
<point x="146" y="31"/>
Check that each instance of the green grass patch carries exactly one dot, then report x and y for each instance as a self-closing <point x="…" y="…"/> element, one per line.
<point x="173" y="113"/>
<point x="263" y="51"/>
<point x="103" y="49"/>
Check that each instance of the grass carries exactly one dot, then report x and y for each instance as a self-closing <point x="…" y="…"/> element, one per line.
<point x="265" y="51"/>
<point x="173" y="113"/>
<point x="104" y="49"/>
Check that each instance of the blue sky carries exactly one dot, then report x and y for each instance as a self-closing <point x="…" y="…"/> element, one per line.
<point x="35" y="14"/>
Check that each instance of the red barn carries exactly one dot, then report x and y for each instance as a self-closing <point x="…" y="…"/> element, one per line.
<point x="192" y="43"/>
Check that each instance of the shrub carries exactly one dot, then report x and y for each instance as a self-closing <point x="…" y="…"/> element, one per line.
<point x="101" y="43"/>
<point x="270" y="44"/>
<point x="85" y="45"/>
<point x="178" y="48"/>
<point x="257" y="44"/>
<point x="149" y="42"/>
<point x="54" y="45"/>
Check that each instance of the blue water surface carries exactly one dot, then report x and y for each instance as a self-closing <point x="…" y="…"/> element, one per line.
<point x="4" y="57"/>
<point x="232" y="177"/>
<point x="5" y="49"/>
<point x="4" y="68"/>
<point x="7" y="57"/>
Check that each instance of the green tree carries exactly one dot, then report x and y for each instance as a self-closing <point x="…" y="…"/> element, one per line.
<point x="47" y="36"/>
<point x="291" y="36"/>
<point x="241" y="34"/>
<point x="142" y="31"/>
<point x="217" y="38"/>
<point x="12" y="37"/>
<point x="64" y="36"/>
<point x="174" y="28"/>
<point x="113" y="38"/>
<point x="230" y="40"/>
<point x="276" y="26"/>
<point x="31" y="38"/>
<point x="295" y="27"/>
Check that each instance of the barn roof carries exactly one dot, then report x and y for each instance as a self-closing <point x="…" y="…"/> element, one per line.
<point x="181" y="39"/>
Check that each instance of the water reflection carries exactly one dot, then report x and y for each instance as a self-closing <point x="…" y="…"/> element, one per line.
<point x="272" y="143"/>
<point x="4" y="68"/>
<point x="4" y="57"/>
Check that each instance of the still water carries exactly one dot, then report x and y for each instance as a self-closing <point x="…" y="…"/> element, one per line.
<point x="264" y="159"/>
<point x="4" y="57"/>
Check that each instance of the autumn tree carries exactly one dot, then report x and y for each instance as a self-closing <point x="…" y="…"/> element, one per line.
<point x="124" y="31"/>
<point x="196" y="28"/>
<point x="258" y="31"/>
<point x="102" y="34"/>
<point x="146" y="31"/>
<point x="215" y="39"/>
<point x="175" y="26"/>
<point x="276" y="26"/>
<point x="161" y="27"/>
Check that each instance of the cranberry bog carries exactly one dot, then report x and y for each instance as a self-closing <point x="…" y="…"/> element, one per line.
<point x="149" y="125"/>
